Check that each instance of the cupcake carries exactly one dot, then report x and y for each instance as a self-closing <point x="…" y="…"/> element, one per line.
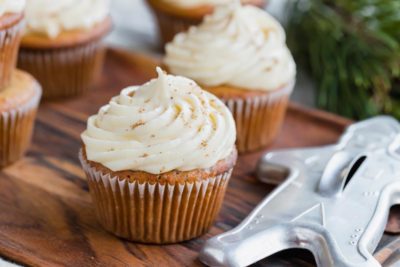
<point x="18" y="104"/>
<point x="239" y="54"/>
<point x="11" y="24"/>
<point x="62" y="44"/>
<point x="158" y="159"/>
<point x="174" y="16"/>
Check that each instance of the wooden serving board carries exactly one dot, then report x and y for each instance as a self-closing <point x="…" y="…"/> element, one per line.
<point x="46" y="214"/>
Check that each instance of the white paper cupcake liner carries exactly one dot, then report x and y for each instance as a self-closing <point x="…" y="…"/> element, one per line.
<point x="157" y="213"/>
<point x="16" y="127"/>
<point x="259" y="118"/>
<point x="64" y="72"/>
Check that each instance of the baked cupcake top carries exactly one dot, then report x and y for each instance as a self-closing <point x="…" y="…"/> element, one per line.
<point x="52" y="17"/>
<point x="11" y="6"/>
<point x="239" y="46"/>
<point x="167" y="124"/>
<point x="22" y="89"/>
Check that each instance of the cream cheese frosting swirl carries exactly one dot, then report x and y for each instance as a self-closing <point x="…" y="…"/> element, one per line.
<point x="240" y="46"/>
<point x="11" y="6"/>
<point x="167" y="124"/>
<point x="51" y="17"/>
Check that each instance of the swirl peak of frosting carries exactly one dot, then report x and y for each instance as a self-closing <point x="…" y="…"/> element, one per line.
<point x="11" y="6"/>
<point x="167" y="124"/>
<point x="240" y="46"/>
<point x="50" y="17"/>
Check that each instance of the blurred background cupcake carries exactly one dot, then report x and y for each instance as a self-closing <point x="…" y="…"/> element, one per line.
<point x="62" y="45"/>
<point x="19" y="92"/>
<point x="174" y="16"/>
<point x="11" y="23"/>
<point x="158" y="159"/>
<point x="19" y="102"/>
<point x="239" y="54"/>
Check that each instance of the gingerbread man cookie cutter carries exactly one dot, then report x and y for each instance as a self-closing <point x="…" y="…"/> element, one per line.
<point x="333" y="201"/>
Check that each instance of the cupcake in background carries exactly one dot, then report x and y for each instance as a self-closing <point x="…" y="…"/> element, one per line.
<point x="158" y="158"/>
<point x="18" y="105"/>
<point x="62" y="44"/>
<point x="19" y="91"/>
<point x="11" y="25"/>
<point x="239" y="54"/>
<point x="174" y="16"/>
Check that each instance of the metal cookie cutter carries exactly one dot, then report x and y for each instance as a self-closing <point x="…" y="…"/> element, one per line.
<point x="334" y="201"/>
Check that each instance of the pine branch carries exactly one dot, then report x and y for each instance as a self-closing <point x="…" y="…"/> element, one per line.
<point x="352" y="50"/>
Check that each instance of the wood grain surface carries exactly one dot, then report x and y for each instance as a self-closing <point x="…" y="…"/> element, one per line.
<point x="46" y="215"/>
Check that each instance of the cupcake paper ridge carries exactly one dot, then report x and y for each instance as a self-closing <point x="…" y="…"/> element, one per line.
<point x="240" y="46"/>
<point x="51" y="17"/>
<point x="167" y="124"/>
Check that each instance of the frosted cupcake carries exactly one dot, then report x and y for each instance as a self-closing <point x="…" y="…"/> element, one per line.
<point x="239" y="54"/>
<point x="158" y="159"/>
<point x="11" y="24"/>
<point x="62" y="44"/>
<point x="174" y="16"/>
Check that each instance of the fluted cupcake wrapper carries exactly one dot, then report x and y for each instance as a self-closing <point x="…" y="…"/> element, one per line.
<point x="16" y="127"/>
<point x="158" y="213"/>
<point x="64" y="72"/>
<point x="259" y="118"/>
<point x="9" y="44"/>
<point x="169" y="25"/>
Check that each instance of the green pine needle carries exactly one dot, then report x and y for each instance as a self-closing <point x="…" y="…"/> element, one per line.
<point x="352" y="50"/>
